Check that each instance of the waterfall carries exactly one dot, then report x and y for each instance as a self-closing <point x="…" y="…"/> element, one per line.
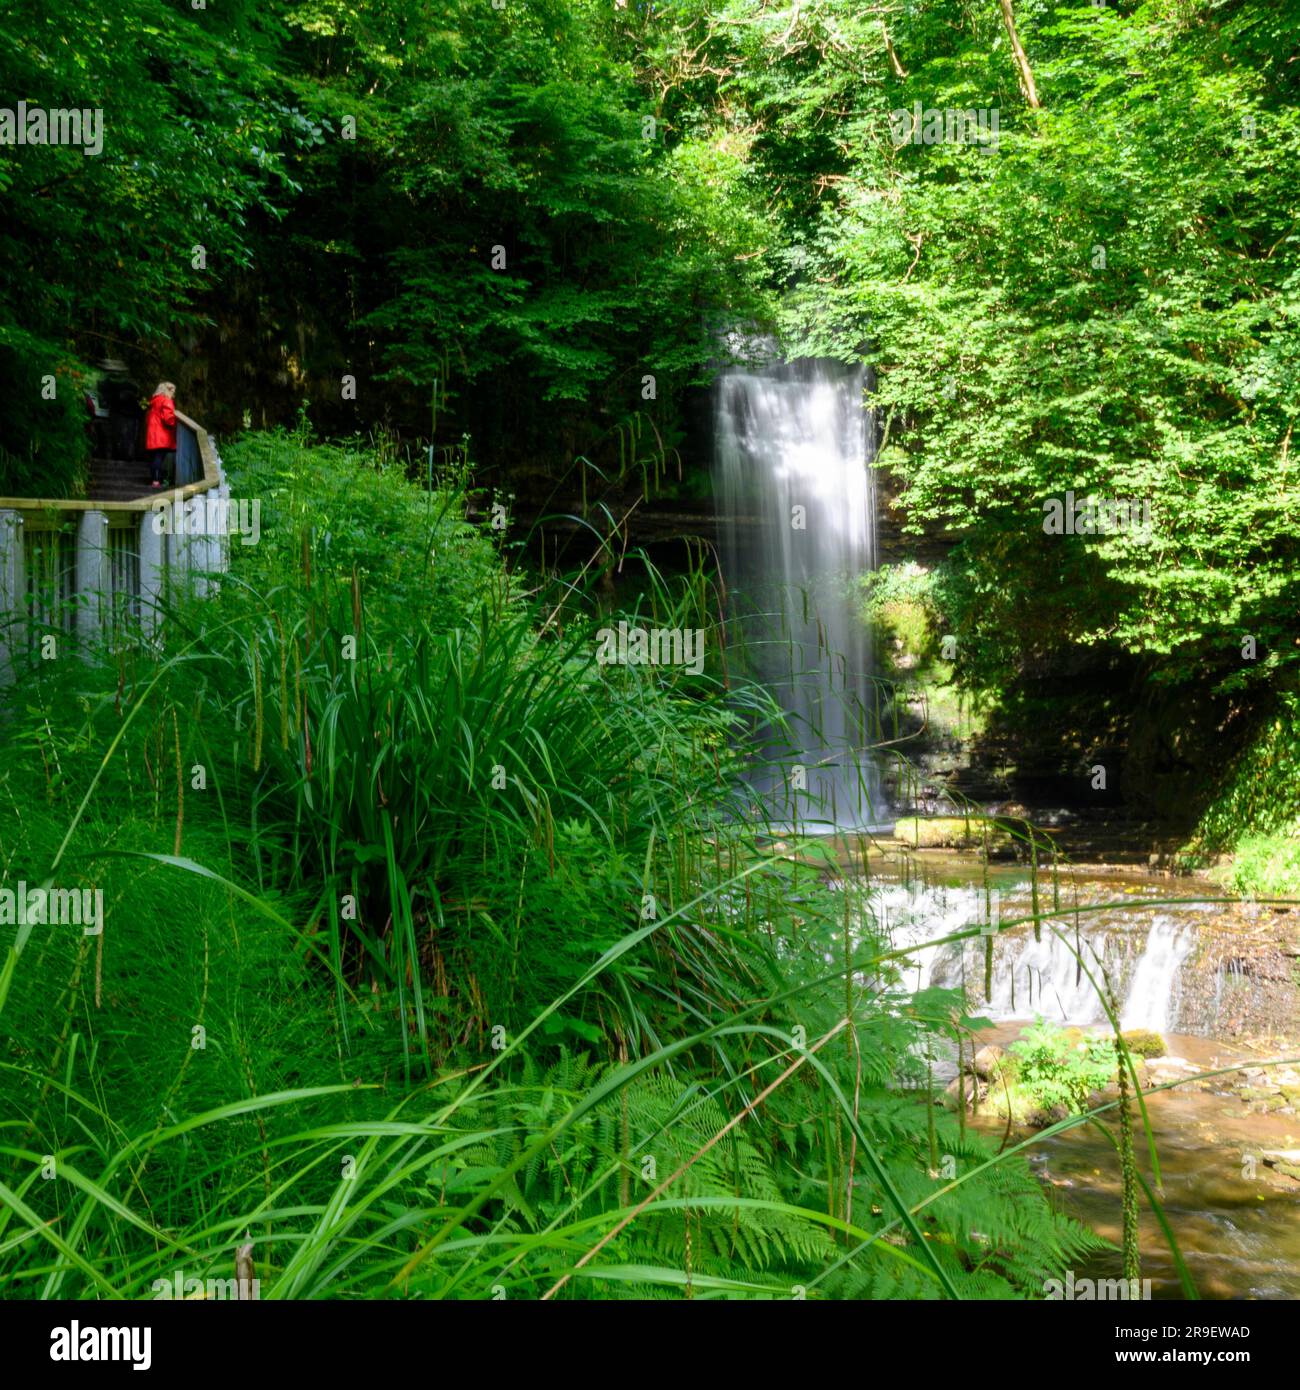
<point x="1143" y="951"/>
<point x="1154" y="987"/>
<point x="796" y="501"/>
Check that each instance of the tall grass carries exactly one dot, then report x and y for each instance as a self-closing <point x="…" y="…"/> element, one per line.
<point x="442" y="961"/>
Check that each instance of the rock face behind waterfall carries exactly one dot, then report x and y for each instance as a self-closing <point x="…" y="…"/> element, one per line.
<point x="794" y="449"/>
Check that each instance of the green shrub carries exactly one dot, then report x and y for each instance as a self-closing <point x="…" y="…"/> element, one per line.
<point x="1056" y="1070"/>
<point x="43" y="445"/>
<point x="898" y="605"/>
<point x="1260" y="795"/>
<point x="1265" y="866"/>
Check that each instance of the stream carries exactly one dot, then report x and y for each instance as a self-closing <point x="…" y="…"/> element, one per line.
<point x="1236" y="1218"/>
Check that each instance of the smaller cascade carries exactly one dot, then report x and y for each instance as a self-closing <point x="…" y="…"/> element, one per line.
<point x="1142" y="952"/>
<point x="1152" y="994"/>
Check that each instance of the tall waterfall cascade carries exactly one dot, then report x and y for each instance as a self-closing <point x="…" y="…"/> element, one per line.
<point x="795" y="492"/>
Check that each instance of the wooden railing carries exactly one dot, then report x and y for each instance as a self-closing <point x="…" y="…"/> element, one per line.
<point x="193" y="448"/>
<point x="86" y="569"/>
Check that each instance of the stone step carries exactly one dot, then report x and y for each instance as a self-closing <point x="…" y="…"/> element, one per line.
<point x="120" y="494"/>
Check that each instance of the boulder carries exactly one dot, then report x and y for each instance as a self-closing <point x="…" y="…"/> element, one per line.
<point x="1141" y="1042"/>
<point x="989" y="1061"/>
<point x="953" y="832"/>
<point x="968" y="1085"/>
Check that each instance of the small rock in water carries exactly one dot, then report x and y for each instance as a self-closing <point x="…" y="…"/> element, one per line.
<point x="988" y="1061"/>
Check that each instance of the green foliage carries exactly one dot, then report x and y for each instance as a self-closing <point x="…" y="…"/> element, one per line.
<point x="899" y="607"/>
<point x="43" y="445"/>
<point x="1157" y="375"/>
<point x="98" y="248"/>
<point x="1260" y="792"/>
<point x="1054" y="1068"/>
<point x="483" y="202"/>
<point x="1106" y="303"/>
<point x="1254" y="813"/>
<point x="455" y="1088"/>
<point x="1266" y="866"/>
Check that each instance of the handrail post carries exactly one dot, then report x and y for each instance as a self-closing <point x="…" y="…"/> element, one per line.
<point x="153" y="573"/>
<point x="94" y="581"/>
<point x="13" y="592"/>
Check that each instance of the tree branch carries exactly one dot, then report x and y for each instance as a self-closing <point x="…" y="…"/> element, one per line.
<point x="1018" y="53"/>
<point x="899" y="69"/>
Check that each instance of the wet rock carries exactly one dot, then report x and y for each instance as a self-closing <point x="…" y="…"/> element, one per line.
<point x="974" y="1091"/>
<point x="1142" y="1042"/>
<point x="953" y="832"/>
<point x="989" y="1061"/>
<point x="1284" y="1161"/>
<point x="1161" y="1070"/>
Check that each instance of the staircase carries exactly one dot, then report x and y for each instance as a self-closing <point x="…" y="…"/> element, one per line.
<point x="117" y="480"/>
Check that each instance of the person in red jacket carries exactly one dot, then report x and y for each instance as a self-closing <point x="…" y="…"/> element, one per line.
<point x="160" y="431"/>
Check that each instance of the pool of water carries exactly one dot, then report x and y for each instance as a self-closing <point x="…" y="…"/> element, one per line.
<point x="1236" y="1223"/>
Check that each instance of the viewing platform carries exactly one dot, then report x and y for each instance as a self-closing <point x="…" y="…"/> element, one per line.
<point x="95" y="568"/>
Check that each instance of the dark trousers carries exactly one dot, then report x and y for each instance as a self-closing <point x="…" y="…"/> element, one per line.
<point x="158" y="460"/>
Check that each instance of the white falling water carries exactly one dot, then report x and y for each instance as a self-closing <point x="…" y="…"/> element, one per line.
<point x="1143" y="952"/>
<point x="1152" y="994"/>
<point x="796" y="498"/>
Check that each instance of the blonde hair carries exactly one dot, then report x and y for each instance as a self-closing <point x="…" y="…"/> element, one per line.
<point x="165" y="388"/>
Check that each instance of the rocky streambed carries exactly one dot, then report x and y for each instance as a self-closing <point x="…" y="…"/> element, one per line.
<point x="1217" y="984"/>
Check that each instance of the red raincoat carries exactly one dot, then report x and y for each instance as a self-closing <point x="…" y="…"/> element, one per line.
<point x="160" y="424"/>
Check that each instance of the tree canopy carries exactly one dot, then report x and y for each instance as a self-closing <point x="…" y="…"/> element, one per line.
<point x="536" y="218"/>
